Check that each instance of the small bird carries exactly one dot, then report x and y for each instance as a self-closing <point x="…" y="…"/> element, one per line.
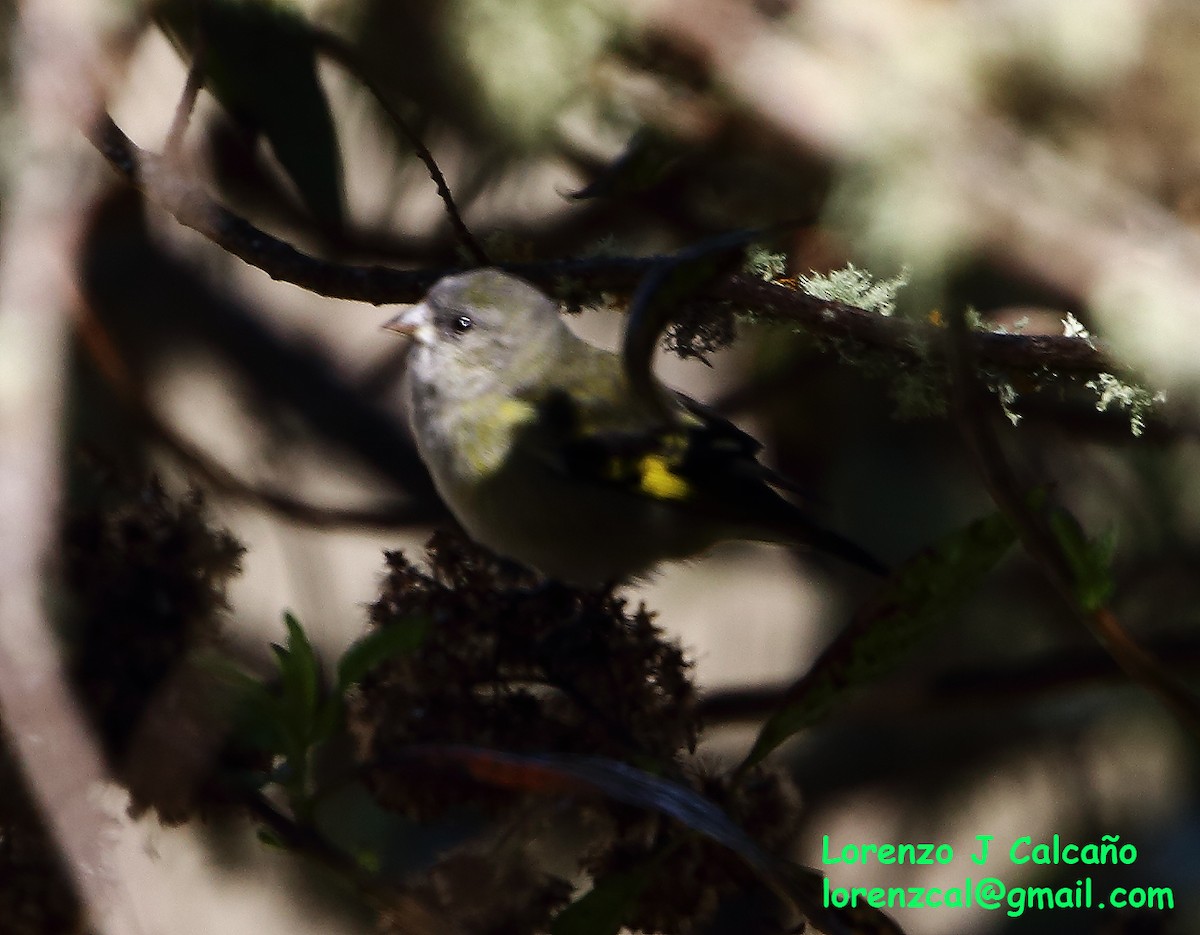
<point x="545" y="455"/>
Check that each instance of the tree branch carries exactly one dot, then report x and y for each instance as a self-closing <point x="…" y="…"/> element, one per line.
<point x="1013" y="196"/>
<point x="64" y="49"/>
<point x="193" y="207"/>
<point x="338" y="51"/>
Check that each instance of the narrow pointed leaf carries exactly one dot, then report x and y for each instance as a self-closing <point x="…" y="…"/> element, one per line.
<point x="920" y="596"/>
<point x="1090" y="559"/>
<point x="300" y="671"/>
<point x="398" y="638"/>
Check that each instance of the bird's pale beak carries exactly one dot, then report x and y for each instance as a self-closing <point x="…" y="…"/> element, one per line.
<point x="413" y="323"/>
<point x="401" y="327"/>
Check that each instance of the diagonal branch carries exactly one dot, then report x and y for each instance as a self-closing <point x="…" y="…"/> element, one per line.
<point x="193" y="207"/>
<point x="64" y="50"/>
<point x="338" y="51"/>
<point x="187" y="99"/>
<point x="1040" y="541"/>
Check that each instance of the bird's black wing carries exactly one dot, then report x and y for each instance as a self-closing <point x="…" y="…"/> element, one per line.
<point x="701" y="463"/>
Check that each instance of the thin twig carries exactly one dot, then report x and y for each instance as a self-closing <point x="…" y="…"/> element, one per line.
<point x="1044" y="547"/>
<point x="303" y="839"/>
<point x="338" y="51"/>
<point x="412" y="913"/>
<point x="191" y="91"/>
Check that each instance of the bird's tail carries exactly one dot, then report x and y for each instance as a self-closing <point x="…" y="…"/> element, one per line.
<point x="793" y="526"/>
<point x="832" y="543"/>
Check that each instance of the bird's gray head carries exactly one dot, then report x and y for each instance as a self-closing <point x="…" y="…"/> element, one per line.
<point x="484" y="322"/>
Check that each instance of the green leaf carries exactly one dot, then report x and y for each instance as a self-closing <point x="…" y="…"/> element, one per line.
<point x="1090" y="559"/>
<point x="260" y="62"/>
<point x="300" y="672"/>
<point x="380" y="841"/>
<point x="603" y="909"/>
<point x="300" y="698"/>
<point x="402" y="636"/>
<point x="270" y="839"/>
<point x="257" y="713"/>
<point x="262" y="721"/>
<point x="920" y="596"/>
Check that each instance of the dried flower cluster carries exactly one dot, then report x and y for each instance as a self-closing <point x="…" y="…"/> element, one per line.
<point x="145" y="581"/>
<point x="516" y="665"/>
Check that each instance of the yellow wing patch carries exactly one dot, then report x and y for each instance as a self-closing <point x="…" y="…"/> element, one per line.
<point x="654" y="474"/>
<point x="656" y="479"/>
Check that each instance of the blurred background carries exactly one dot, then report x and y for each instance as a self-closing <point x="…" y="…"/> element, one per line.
<point x="1037" y="162"/>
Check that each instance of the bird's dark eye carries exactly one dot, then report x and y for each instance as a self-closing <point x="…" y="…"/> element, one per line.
<point x="461" y="325"/>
